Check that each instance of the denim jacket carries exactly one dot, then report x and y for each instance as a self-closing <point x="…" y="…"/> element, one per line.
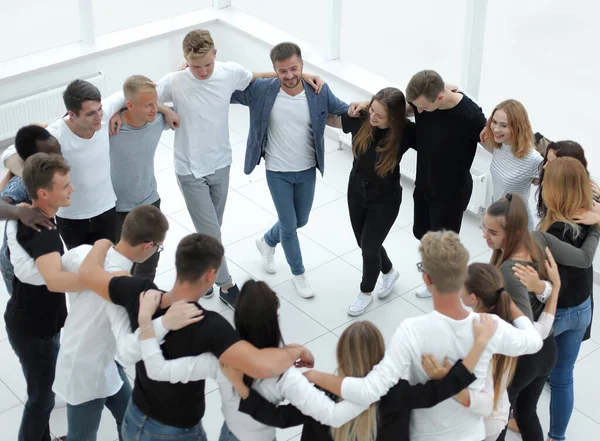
<point x="260" y="96"/>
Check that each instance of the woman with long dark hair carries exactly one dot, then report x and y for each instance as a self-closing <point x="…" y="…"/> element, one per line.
<point x="505" y="227"/>
<point x="374" y="191"/>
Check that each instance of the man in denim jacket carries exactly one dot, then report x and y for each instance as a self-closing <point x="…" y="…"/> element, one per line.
<point x="287" y="127"/>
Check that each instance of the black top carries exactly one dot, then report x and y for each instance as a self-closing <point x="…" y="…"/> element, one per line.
<point x="182" y="404"/>
<point x="393" y="410"/>
<point x="446" y="142"/>
<point x="576" y="283"/>
<point x="32" y="309"/>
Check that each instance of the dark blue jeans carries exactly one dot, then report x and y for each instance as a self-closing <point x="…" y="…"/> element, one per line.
<point x="138" y="427"/>
<point x="293" y="194"/>
<point x="569" y="326"/>
<point x="84" y="418"/>
<point x="37" y="356"/>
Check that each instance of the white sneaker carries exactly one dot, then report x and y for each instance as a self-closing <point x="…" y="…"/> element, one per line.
<point x="267" y="254"/>
<point x="387" y="283"/>
<point x="359" y="305"/>
<point x="423" y="293"/>
<point x="303" y="287"/>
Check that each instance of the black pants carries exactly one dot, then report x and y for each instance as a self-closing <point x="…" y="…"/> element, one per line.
<point x="77" y="232"/>
<point x="373" y="211"/>
<point x="433" y="214"/>
<point x="147" y="269"/>
<point x="526" y="387"/>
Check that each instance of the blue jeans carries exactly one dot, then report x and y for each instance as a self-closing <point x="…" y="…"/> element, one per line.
<point x="8" y="274"/>
<point x="227" y="435"/>
<point x="84" y="418"/>
<point x="138" y="427"/>
<point x="37" y="356"/>
<point x="293" y="194"/>
<point x="569" y="327"/>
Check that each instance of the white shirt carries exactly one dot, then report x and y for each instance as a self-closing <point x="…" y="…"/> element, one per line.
<point x="90" y="164"/>
<point x="291" y="386"/>
<point x="85" y="368"/>
<point x="290" y="143"/>
<point x="448" y="420"/>
<point x="202" y="140"/>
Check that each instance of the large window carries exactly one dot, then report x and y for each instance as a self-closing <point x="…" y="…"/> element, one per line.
<point x="115" y="15"/>
<point x="28" y="27"/>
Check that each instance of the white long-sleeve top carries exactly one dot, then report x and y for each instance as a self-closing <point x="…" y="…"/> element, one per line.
<point x="441" y="336"/>
<point x="291" y="386"/>
<point x="482" y="402"/>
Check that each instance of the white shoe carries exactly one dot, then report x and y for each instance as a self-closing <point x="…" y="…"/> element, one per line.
<point x="423" y="293"/>
<point x="267" y="254"/>
<point x="387" y="283"/>
<point x="360" y="304"/>
<point x="303" y="287"/>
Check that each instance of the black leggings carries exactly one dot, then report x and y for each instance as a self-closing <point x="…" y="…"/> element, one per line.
<point x="526" y="387"/>
<point x="373" y="211"/>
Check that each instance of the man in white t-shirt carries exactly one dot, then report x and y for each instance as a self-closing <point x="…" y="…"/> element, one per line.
<point x="83" y="136"/>
<point x="445" y="332"/>
<point x="201" y="95"/>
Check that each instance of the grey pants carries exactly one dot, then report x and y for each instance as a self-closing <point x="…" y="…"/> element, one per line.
<point x="205" y="199"/>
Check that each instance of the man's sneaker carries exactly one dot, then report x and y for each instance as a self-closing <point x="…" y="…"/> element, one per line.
<point x="423" y="293"/>
<point x="359" y="305"/>
<point x="210" y="293"/>
<point x="387" y="283"/>
<point x="229" y="297"/>
<point x="303" y="287"/>
<point x="267" y="253"/>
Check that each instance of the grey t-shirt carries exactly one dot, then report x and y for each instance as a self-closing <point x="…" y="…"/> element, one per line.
<point x="132" y="163"/>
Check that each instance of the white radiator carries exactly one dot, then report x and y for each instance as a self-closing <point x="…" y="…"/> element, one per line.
<point x="408" y="169"/>
<point x="40" y="106"/>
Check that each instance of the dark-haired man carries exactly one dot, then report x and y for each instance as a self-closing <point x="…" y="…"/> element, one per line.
<point x="287" y="127"/>
<point x="36" y="312"/>
<point x="83" y="136"/>
<point x="162" y="409"/>
<point x="30" y="140"/>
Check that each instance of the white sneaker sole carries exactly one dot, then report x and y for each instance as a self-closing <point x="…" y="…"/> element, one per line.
<point x="258" y="243"/>
<point x="423" y="294"/>
<point x="361" y="311"/>
<point x="382" y="294"/>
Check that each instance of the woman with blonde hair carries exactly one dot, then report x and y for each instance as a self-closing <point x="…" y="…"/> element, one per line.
<point x="515" y="162"/>
<point x="359" y="349"/>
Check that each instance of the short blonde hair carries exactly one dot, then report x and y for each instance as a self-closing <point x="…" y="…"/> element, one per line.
<point x="197" y="44"/>
<point x="137" y="83"/>
<point x="444" y="259"/>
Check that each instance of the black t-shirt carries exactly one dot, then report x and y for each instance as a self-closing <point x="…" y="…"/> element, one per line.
<point x="446" y="142"/>
<point x="32" y="309"/>
<point x="577" y="284"/>
<point x="179" y="405"/>
<point x="363" y="166"/>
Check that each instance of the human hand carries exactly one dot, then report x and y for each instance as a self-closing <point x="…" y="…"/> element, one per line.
<point x="184" y="66"/>
<point x="172" y="118"/>
<point x="552" y="269"/>
<point x="314" y="81"/>
<point x="181" y="314"/>
<point x="484" y="328"/>
<point x="114" y="125"/>
<point x="529" y="277"/>
<point x="591" y="217"/>
<point x="306" y="359"/>
<point x="355" y="108"/>
<point x="149" y="301"/>
<point x="34" y="218"/>
<point x="433" y="368"/>
<point x="482" y="138"/>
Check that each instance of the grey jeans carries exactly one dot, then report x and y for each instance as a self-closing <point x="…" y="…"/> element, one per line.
<point x="205" y="199"/>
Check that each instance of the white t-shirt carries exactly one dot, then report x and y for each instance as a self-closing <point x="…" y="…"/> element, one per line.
<point x="202" y="140"/>
<point x="290" y="143"/>
<point x="441" y="336"/>
<point x="89" y="159"/>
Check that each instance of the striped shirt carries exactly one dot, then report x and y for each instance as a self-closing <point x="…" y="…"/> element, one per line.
<point x="514" y="175"/>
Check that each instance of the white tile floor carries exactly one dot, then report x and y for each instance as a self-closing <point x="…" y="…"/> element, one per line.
<point x="333" y="263"/>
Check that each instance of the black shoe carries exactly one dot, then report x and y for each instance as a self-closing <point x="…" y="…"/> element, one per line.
<point x="209" y="293"/>
<point x="229" y="297"/>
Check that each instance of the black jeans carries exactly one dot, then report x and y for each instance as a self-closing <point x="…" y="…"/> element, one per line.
<point x="433" y="214"/>
<point x="147" y="269"/>
<point x="37" y="356"/>
<point x="77" y="232"/>
<point x="526" y="387"/>
<point x="373" y="210"/>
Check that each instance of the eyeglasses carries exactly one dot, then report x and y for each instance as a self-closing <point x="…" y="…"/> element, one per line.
<point x="422" y="270"/>
<point x="159" y="246"/>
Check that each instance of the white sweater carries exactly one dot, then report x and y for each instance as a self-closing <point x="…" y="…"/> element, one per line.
<point x="442" y="336"/>
<point x="291" y="386"/>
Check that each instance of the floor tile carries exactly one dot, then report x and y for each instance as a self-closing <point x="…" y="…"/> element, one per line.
<point x="8" y="400"/>
<point x="171" y="199"/>
<point x="163" y="158"/>
<point x="10" y="420"/>
<point x="243" y="218"/>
